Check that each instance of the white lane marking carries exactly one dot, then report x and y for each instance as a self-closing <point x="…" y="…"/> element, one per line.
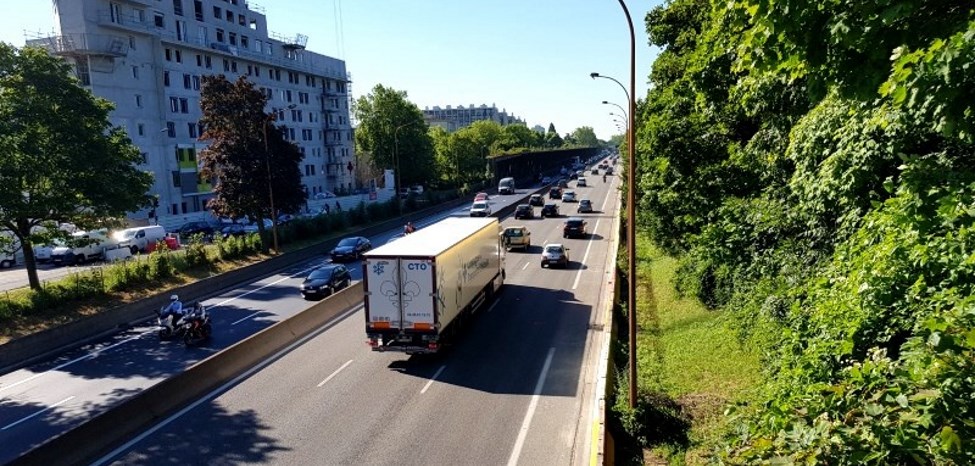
<point x="78" y="359"/>
<point x="523" y="433"/>
<point x="223" y="388"/>
<point x="525" y="267"/>
<point x="493" y="305"/>
<point x="605" y="200"/>
<point x="585" y="256"/>
<point x="429" y="383"/>
<point x="301" y="272"/>
<point x="55" y="405"/>
<point x="335" y="373"/>
<point x="245" y="318"/>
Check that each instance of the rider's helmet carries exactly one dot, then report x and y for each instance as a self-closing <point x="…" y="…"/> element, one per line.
<point x="174" y="298"/>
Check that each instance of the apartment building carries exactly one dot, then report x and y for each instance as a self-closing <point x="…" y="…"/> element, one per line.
<point x="453" y="119"/>
<point x="149" y="56"/>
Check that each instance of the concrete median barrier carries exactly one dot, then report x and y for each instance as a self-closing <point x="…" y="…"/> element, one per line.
<point x="109" y="429"/>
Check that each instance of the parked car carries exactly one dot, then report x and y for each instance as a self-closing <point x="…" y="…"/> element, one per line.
<point x="325" y="280"/>
<point x="323" y="195"/>
<point x="350" y="248"/>
<point x="189" y="229"/>
<point x="524" y="211"/>
<point x="555" y="193"/>
<point x="536" y="199"/>
<point x="585" y="206"/>
<point x="550" y="210"/>
<point x="252" y="227"/>
<point x="42" y="252"/>
<point x="581" y="182"/>
<point x="574" y="227"/>
<point x="480" y="209"/>
<point x="555" y="254"/>
<point x="517" y="237"/>
<point x="233" y="229"/>
<point x="569" y="196"/>
<point x="81" y="247"/>
<point x="7" y="260"/>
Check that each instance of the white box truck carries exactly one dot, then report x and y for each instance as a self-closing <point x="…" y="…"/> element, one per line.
<point x="420" y="289"/>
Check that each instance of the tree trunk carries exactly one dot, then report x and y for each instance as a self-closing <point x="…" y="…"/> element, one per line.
<point x="265" y="240"/>
<point x="30" y="262"/>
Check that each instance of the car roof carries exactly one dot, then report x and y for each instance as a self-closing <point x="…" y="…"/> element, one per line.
<point x="524" y="206"/>
<point x="327" y="268"/>
<point x="574" y="219"/>
<point x="554" y="245"/>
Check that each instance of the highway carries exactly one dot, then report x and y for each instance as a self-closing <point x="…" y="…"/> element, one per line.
<point x="538" y="326"/>
<point x="515" y="390"/>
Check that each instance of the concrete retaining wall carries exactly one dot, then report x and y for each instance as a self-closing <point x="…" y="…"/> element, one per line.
<point x="99" y="435"/>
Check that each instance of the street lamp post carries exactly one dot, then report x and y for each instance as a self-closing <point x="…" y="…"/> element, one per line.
<point x="270" y="184"/>
<point x="625" y="115"/>
<point x="396" y="156"/>
<point x="630" y="207"/>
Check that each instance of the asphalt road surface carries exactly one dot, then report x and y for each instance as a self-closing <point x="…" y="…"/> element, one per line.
<point x="45" y="399"/>
<point x="516" y="389"/>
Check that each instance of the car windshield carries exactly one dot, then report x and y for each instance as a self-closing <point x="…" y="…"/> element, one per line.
<point x="514" y="233"/>
<point x="479" y="205"/>
<point x="322" y="274"/>
<point x="553" y="249"/>
<point x="128" y="234"/>
<point x="348" y="242"/>
<point x="574" y="223"/>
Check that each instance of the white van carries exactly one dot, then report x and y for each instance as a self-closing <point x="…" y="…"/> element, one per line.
<point x="83" y="246"/>
<point x="7" y="260"/>
<point x="139" y="238"/>
<point x="506" y="186"/>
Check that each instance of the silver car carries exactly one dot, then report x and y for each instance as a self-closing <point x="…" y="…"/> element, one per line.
<point x="555" y="254"/>
<point x="569" y="196"/>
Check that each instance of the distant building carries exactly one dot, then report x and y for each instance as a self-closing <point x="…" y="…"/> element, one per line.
<point x="148" y="58"/>
<point x="453" y="119"/>
<point x="539" y="129"/>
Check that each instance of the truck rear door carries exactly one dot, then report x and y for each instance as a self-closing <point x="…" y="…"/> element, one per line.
<point x="400" y="293"/>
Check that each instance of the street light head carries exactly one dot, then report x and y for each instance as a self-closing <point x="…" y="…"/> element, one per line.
<point x="606" y="102"/>
<point x="593" y="75"/>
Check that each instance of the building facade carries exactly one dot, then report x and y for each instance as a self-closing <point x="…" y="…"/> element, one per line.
<point x="453" y="119"/>
<point x="148" y="57"/>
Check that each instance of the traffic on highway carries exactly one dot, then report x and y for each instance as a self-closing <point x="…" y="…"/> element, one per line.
<point x="512" y="390"/>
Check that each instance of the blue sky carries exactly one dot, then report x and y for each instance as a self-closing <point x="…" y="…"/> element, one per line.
<point x="530" y="57"/>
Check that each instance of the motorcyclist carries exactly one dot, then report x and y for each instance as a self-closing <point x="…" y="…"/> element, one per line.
<point x="174" y="310"/>
<point x="604" y="177"/>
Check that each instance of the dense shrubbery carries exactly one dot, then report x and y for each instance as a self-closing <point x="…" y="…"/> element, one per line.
<point x="812" y="166"/>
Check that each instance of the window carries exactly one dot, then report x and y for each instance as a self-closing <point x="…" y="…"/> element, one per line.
<point x="241" y="20"/>
<point x="173" y="106"/>
<point x="187" y="82"/>
<point x="184" y="105"/>
<point x="219" y="35"/>
<point x="179" y="56"/>
<point x="159" y="20"/>
<point x="132" y="42"/>
<point x="196" y="83"/>
<point x="233" y="38"/>
<point x="209" y="64"/>
<point x="169" y="55"/>
<point x="203" y="35"/>
<point x="178" y="7"/>
<point x="166" y="78"/>
<point x="181" y="31"/>
<point x="253" y="24"/>
<point x="175" y="185"/>
<point x="199" y="60"/>
<point x="141" y="128"/>
<point x="191" y="128"/>
<point x="287" y="95"/>
<point x="226" y="65"/>
<point x="135" y="71"/>
<point x="233" y="66"/>
<point x="244" y="42"/>
<point x="257" y="71"/>
<point x="138" y="101"/>
<point x="217" y="12"/>
<point x="171" y="129"/>
<point x="198" y="9"/>
<point x="230" y="16"/>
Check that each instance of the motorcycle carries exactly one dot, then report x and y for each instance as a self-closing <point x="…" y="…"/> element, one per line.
<point x="196" y="326"/>
<point x="170" y="326"/>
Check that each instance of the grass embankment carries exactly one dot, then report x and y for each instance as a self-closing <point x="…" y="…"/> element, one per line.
<point x="690" y="366"/>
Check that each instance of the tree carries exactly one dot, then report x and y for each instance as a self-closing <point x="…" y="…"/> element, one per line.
<point x="585" y="136"/>
<point x="391" y="126"/>
<point x="515" y="137"/>
<point x="552" y="138"/>
<point x="244" y="147"/>
<point x="62" y="159"/>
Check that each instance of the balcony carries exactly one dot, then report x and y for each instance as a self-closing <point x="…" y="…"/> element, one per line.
<point x="75" y="45"/>
<point x="125" y="22"/>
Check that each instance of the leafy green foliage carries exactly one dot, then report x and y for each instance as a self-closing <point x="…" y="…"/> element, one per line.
<point x="62" y="161"/>
<point x="392" y="129"/>
<point x="810" y="164"/>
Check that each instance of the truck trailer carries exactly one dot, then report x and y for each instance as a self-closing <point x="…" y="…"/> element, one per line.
<point x="422" y="288"/>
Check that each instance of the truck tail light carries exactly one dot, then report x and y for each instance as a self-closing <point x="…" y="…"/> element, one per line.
<point x="432" y="346"/>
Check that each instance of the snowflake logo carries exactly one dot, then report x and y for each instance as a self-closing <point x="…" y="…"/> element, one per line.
<point x="378" y="268"/>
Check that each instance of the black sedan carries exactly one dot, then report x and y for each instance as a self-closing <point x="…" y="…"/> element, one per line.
<point x="190" y="229"/>
<point x="325" y="280"/>
<point x="350" y="248"/>
<point x="524" y="211"/>
<point x="550" y="210"/>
